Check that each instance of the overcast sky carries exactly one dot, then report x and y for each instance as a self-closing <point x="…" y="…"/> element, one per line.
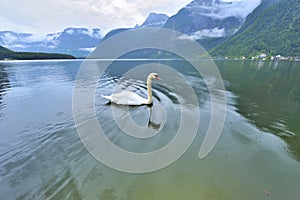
<point x="49" y="16"/>
<point x="41" y="17"/>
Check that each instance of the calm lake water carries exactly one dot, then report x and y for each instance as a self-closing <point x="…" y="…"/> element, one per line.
<point x="256" y="157"/>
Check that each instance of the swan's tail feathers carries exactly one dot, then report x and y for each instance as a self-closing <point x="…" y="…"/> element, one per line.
<point x="106" y="97"/>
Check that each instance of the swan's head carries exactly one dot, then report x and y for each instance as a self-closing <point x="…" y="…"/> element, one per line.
<point x="153" y="76"/>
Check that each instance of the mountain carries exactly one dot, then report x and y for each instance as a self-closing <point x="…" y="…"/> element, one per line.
<point x="211" y="18"/>
<point x="74" y="38"/>
<point x="156" y="20"/>
<point x="76" y="41"/>
<point x="272" y="28"/>
<point x="7" y="54"/>
<point x="210" y="21"/>
<point x="14" y="40"/>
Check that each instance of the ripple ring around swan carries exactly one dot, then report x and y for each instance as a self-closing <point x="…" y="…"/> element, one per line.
<point x="91" y="133"/>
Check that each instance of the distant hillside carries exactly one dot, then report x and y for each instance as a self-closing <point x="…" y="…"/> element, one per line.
<point x="211" y="21"/>
<point x="273" y="28"/>
<point x="12" y="55"/>
<point x="114" y="32"/>
<point x="5" y="53"/>
<point x="75" y="41"/>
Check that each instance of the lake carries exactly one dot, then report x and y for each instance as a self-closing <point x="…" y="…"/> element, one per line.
<point x="256" y="157"/>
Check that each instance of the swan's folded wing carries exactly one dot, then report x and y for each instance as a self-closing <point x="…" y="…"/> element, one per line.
<point x="106" y="97"/>
<point x="128" y="98"/>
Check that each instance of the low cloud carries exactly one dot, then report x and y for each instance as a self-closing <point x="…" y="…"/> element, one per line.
<point x="8" y="38"/>
<point x="88" y="49"/>
<point x="16" y="47"/>
<point x="205" y="33"/>
<point x="237" y="8"/>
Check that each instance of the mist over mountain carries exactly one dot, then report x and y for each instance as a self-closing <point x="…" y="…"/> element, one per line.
<point x="211" y="18"/>
<point x="272" y="28"/>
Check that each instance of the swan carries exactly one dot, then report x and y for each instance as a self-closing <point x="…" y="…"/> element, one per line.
<point x="131" y="98"/>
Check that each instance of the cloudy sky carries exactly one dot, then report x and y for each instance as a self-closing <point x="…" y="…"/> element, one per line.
<point x="48" y="16"/>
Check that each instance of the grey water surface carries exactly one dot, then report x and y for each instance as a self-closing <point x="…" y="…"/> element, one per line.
<point x="256" y="157"/>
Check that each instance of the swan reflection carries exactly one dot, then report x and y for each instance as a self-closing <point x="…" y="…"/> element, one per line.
<point x="138" y="121"/>
<point x="156" y="115"/>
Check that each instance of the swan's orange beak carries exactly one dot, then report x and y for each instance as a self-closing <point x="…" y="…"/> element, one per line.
<point x="157" y="78"/>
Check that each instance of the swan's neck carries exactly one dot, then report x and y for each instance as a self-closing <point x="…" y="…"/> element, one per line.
<point x="149" y="90"/>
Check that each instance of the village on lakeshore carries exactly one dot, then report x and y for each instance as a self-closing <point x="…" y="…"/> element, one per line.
<point x="265" y="57"/>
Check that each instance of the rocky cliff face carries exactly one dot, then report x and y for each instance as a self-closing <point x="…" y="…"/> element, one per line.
<point x="211" y="18"/>
<point x="155" y="20"/>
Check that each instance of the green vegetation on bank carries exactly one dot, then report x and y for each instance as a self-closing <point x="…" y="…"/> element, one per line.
<point x="7" y="54"/>
<point x="273" y="28"/>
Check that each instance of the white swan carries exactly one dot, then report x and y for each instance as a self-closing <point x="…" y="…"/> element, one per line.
<point x="131" y="98"/>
